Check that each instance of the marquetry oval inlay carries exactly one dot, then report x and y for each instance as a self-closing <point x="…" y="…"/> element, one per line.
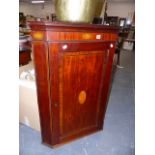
<point x="82" y="97"/>
<point x="38" y="35"/>
<point x="87" y="36"/>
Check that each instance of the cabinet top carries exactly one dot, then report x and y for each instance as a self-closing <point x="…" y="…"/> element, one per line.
<point x="68" y="26"/>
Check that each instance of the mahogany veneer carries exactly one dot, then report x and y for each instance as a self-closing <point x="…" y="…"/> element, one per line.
<point x="73" y="66"/>
<point x="24" y="57"/>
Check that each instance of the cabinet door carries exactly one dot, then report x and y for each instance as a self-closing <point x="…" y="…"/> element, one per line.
<point x="80" y="74"/>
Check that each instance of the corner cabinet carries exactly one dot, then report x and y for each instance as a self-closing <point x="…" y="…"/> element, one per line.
<point x="73" y="66"/>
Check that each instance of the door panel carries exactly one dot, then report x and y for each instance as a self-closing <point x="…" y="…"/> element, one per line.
<point x="80" y="77"/>
<point x="77" y="79"/>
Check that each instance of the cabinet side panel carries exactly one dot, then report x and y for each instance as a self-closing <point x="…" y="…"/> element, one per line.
<point x="106" y="84"/>
<point x="53" y="62"/>
<point x="40" y="52"/>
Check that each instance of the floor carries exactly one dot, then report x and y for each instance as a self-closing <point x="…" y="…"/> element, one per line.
<point x="117" y="138"/>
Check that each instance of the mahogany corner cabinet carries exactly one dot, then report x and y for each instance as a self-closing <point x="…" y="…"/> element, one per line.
<point x="73" y="65"/>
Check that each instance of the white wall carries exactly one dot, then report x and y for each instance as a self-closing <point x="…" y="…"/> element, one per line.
<point x="121" y="9"/>
<point x="36" y="10"/>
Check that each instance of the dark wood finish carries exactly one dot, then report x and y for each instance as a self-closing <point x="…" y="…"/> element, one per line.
<point x="80" y="36"/>
<point x="24" y="53"/>
<point x="40" y="51"/>
<point x="73" y="76"/>
<point x="24" y="57"/>
<point x="71" y="27"/>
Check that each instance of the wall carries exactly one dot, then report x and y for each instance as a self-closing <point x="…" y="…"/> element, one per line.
<point x="121" y="9"/>
<point x="36" y="10"/>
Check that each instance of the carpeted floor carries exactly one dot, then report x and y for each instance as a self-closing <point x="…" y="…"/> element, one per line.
<point x="117" y="138"/>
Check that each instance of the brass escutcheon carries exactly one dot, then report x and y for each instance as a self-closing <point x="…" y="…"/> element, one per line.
<point x="82" y="97"/>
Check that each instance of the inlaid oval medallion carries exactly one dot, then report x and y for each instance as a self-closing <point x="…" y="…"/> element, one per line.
<point x="82" y="97"/>
<point x="86" y="36"/>
<point x="37" y="35"/>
